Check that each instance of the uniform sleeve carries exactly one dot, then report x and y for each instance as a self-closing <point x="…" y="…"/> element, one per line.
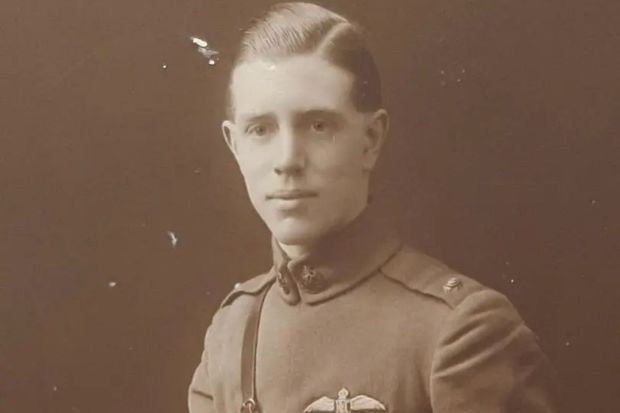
<point x="200" y="395"/>
<point x="488" y="361"/>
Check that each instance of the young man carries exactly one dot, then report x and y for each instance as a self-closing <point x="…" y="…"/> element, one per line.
<point x="347" y="319"/>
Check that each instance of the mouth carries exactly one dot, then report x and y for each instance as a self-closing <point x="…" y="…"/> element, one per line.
<point x="291" y="194"/>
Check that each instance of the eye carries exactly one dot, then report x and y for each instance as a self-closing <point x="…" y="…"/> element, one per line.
<point x="258" y="129"/>
<point x="319" y="126"/>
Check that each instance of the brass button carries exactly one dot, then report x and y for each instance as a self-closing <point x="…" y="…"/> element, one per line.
<point x="452" y="284"/>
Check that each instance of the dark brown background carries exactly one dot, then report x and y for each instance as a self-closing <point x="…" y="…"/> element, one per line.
<point x="505" y="132"/>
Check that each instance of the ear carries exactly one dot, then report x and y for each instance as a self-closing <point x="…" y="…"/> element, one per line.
<point x="230" y="136"/>
<point x="376" y="133"/>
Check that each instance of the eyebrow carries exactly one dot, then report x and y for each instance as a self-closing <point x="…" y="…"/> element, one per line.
<point x="255" y="117"/>
<point x="328" y="114"/>
<point x="322" y="113"/>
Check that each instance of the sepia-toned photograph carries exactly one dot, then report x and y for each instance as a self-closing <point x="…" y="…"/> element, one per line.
<point x="299" y="207"/>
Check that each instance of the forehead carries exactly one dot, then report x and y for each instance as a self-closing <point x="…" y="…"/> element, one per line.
<point x="292" y="84"/>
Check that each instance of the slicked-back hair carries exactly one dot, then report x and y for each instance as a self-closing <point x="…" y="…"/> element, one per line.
<point x="290" y="29"/>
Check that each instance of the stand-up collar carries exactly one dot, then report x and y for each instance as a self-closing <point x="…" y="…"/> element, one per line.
<point x="340" y="261"/>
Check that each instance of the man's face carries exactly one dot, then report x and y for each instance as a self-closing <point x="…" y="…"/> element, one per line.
<point x="304" y="151"/>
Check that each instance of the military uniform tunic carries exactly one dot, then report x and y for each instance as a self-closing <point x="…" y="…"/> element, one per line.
<point x="367" y="323"/>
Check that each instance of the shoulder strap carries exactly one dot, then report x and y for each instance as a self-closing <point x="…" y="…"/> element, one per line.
<point x="419" y="272"/>
<point x="248" y="356"/>
<point x="252" y="287"/>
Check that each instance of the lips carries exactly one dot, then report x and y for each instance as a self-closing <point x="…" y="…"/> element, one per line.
<point x="291" y="194"/>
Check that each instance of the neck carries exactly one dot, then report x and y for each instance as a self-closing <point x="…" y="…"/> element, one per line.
<point x="296" y="251"/>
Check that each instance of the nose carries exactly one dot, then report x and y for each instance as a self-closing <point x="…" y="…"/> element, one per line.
<point x="291" y="159"/>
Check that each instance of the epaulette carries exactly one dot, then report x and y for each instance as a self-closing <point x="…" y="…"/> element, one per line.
<point x="252" y="286"/>
<point x="426" y="275"/>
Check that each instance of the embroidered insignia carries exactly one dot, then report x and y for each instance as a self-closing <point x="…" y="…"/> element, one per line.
<point x="344" y="404"/>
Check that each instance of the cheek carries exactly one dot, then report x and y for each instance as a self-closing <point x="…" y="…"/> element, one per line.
<point x="340" y="161"/>
<point x="253" y="168"/>
<point x="250" y="158"/>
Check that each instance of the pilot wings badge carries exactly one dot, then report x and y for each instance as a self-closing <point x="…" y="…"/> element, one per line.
<point x="344" y="404"/>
